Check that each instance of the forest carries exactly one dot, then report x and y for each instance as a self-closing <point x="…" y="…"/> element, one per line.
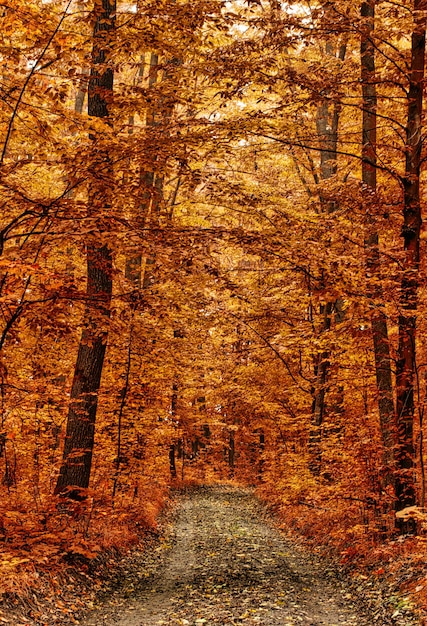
<point x="212" y="270"/>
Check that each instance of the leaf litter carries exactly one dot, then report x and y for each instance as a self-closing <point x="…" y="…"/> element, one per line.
<point x="222" y="561"/>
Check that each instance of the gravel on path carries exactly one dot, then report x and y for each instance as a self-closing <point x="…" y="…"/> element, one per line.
<point x="222" y="561"/>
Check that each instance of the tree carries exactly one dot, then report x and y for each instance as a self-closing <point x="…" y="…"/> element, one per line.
<point x="373" y="268"/>
<point x="79" y="438"/>
<point x="406" y="361"/>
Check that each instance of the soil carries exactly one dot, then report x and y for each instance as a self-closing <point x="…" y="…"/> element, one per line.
<point x="222" y="561"/>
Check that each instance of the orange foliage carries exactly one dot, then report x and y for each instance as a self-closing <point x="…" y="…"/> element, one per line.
<point x="227" y="186"/>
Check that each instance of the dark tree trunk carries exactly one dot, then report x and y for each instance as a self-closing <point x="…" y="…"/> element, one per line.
<point x="319" y="393"/>
<point x="231" y="452"/>
<point x="175" y="447"/>
<point x="373" y="269"/>
<point x="78" y="448"/>
<point x="406" y="362"/>
<point x="172" y="464"/>
<point x="261" y="455"/>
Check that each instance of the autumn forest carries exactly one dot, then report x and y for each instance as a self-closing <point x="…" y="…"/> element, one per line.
<point x="212" y="269"/>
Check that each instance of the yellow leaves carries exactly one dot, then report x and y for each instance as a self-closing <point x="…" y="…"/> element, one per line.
<point x="13" y="562"/>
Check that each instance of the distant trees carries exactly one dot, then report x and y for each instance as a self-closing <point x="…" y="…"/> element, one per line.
<point x="327" y="157"/>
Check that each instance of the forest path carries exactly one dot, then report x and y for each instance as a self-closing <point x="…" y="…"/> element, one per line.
<point x="224" y="563"/>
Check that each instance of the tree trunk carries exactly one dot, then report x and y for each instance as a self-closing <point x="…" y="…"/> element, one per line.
<point x="319" y="393"/>
<point x="231" y="452"/>
<point x="172" y="464"/>
<point x="78" y="448"/>
<point x="175" y="447"/>
<point x="261" y="455"/>
<point x="81" y="91"/>
<point x="373" y="269"/>
<point x="406" y="362"/>
<point x="147" y="194"/>
<point x="327" y="130"/>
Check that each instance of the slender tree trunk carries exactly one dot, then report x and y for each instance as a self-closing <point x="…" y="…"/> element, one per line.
<point x="81" y="91"/>
<point x="134" y="264"/>
<point x="231" y="452"/>
<point x="78" y="448"/>
<point x="139" y="271"/>
<point x="373" y="269"/>
<point x="319" y="393"/>
<point x="327" y="129"/>
<point x="261" y="455"/>
<point x="406" y="362"/>
<point x="172" y="463"/>
<point x="174" y="449"/>
<point x="123" y="397"/>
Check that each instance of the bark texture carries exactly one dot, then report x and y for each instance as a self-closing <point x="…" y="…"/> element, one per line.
<point x="380" y="338"/>
<point x="78" y="448"/>
<point x="406" y="362"/>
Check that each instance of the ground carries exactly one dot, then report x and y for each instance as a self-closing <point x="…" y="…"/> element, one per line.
<point x="218" y="558"/>
<point x="223" y="561"/>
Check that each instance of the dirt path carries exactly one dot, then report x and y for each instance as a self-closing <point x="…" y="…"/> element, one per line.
<point x="224" y="563"/>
